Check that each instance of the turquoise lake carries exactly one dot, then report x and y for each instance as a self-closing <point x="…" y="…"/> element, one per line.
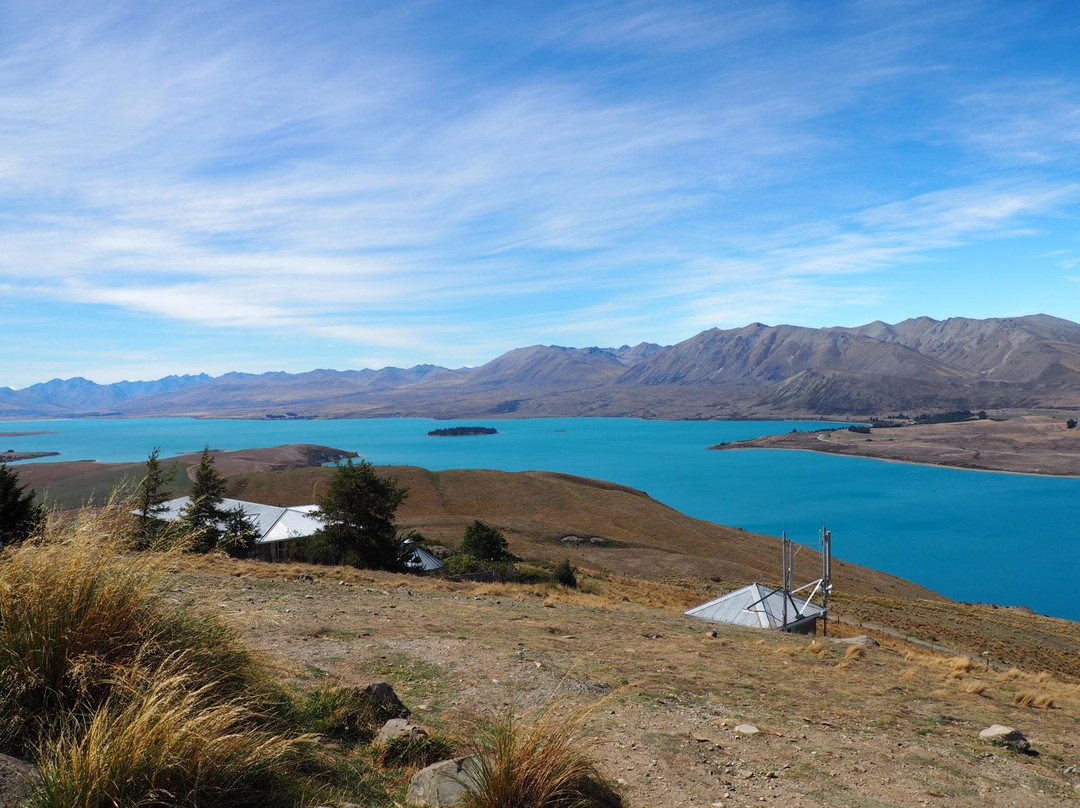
<point x="973" y="536"/>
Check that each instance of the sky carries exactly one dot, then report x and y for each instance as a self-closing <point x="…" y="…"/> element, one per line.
<point x="262" y="186"/>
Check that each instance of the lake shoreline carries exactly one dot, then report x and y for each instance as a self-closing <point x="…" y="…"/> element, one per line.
<point x="1035" y="446"/>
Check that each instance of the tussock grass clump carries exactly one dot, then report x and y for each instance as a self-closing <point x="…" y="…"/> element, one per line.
<point x="74" y="616"/>
<point x="961" y="664"/>
<point x="345" y="714"/>
<point x="536" y="763"/>
<point x="160" y="742"/>
<point x="1029" y="698"/>
<point x="855" y="652"/>
<point x="416" y="751"/>
<point x="975" y="688"/>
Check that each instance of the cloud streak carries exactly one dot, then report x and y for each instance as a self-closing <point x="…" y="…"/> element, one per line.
<point x="595" y="173"/>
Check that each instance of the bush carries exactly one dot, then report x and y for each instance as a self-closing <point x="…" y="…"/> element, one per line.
<point x="345" y="714"/>
<point x="564" y="574"/>
<point x="485" y="543"/>
<point x="461" y="564"/>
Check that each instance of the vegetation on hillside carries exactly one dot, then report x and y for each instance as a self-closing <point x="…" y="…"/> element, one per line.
<point x="20" y="514"/>
<point x="124" y="696"/>
<point x="358" y="521"/>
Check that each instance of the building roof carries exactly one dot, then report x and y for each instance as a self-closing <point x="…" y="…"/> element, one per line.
<point x="272" y="523"/>
<point x="755" y="605"/>
<point x="422" y="559"/>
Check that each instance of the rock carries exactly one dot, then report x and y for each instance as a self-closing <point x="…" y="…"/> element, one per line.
<point x="1008" y="737"/>
<point x="747" y="729"/>
<point x="385" y="700"/>
<point x="441" y="784"/>
<point x="16" y="777"/>
<point x="398" y="728"/>
<point x="862" y="639"/>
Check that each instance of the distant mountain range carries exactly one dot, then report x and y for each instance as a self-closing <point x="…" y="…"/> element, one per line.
<point x="754" y="371"/>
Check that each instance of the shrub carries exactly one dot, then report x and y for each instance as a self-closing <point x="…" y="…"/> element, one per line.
<point x="564" y="574"/>
<point x="485" y="543"/>
<point x="345" y="714"/>
<point x="461" y="564"/>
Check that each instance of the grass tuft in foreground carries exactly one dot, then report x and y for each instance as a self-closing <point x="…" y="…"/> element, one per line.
<point x="159" y="742"/>
<point x="538" y="763"/>
<point x="75" y="616"/>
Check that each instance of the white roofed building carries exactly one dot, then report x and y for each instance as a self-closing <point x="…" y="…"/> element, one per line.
<point x="275" y="526"/>
<point x="760" y="606"/>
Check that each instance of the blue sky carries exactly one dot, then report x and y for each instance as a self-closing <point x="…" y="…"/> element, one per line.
<point x="258" y="186"/>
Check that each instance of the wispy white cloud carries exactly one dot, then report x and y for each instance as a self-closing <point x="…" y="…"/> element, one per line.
<point x="376" y="185"/>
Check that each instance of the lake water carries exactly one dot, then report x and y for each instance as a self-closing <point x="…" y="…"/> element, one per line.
<point x="974" y="536"/>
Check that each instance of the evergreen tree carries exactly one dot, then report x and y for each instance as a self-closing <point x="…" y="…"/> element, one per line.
<point x="485" y="543"/>
<point x="238" y="533"/>
<point x="150" y="497"/>
<point x="203" y="514"/>
<point x="358" y="515"/>
<point x="19" y="516"/>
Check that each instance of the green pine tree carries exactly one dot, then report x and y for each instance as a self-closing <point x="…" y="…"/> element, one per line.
<point x="19" y="516"/>
<point x="203" y="515"/>
<point x="151" y="495"/>
<point x="358" y="515"/>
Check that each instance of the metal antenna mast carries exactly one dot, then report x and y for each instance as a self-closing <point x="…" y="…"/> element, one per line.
<point x="826" y="574"/>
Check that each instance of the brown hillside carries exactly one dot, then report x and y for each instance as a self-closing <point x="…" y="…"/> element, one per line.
<point x="536" y="510"/>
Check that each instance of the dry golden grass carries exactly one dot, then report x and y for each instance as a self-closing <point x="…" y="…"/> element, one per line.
<point x="159" y="740"/>
<point x="532" y="762"/>
<point x="855" y="652"/>
<point x="1030" y="698"/>
<point x="975" y="688"/>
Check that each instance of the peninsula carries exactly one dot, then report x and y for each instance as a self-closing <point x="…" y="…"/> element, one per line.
<point x="1024" y="444"/>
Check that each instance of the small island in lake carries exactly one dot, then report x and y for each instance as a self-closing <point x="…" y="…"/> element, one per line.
<point x="459" y="431"/>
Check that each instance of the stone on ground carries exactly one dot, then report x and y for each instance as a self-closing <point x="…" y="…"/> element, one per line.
<point x="16" y="777"/>
<point x="398" y="728"/>
<point x="441" y="784"/>
<point x="1001" y="735"/>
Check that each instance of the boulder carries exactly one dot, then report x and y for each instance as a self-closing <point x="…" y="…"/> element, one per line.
<point x="747" y="729"/>
<point x="441" y="784"/>
<point x="398" y="728"/>
<point x="1000" y="735"/>
<point x="385" y="700"/>
<point x="16" y="777"/>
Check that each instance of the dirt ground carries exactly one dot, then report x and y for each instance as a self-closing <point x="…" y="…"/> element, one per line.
<point x="1029" y="444"/>
<point x="887" y="726"/>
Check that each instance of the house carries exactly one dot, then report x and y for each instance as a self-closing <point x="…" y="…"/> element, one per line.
<point x="276" y="527"/>
<point x="761" y="607"/>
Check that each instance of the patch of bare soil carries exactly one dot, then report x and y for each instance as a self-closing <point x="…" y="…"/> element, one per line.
<point x="887" y="726"/>
<point x="1030" y="444"/>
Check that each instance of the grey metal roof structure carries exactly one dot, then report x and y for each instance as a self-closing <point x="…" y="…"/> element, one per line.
<point x="756" y="606"/>
<point x="424" y="560"/>
<point x="275" y="524"/>
<point x="271" y="522"/>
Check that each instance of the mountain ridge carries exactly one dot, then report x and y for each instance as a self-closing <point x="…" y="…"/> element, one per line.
<point x="752" y="371"/>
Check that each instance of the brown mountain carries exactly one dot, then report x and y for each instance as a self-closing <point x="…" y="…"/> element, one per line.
<point x="754" y="371"/>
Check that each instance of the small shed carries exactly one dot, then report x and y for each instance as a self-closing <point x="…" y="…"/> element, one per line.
<point x="422" y="561"/>
<point x="760" y="606"/>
